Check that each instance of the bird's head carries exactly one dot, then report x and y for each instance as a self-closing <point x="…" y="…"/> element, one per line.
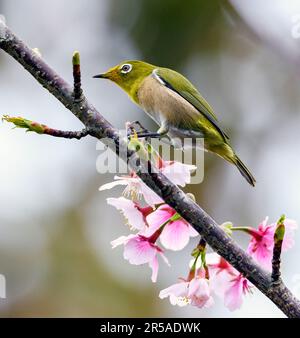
<point x="128" y="75"/>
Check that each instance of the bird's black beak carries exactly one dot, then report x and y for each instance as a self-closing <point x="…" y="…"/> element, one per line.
<point x="100" y="76"/>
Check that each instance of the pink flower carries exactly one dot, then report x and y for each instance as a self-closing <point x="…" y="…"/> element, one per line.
<point x="135" y="215"/>
<point x="289" y="234"/>
<point x="226" y="282"/>
<point x="220" y="273"/>
<point x="195" y="292"/>
<point x="177" y="172"/>
<point x="139" y="250"/>
<point x="233" y="296"/>
<point x="177" y="293"/>
<point x="199" y="292"/>
<point x="176" y="233"/>
<point x="135" y="188"/>
<point x="262" y="241"/>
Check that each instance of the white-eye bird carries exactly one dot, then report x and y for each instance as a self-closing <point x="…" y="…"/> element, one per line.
<point x="175" y="105"/>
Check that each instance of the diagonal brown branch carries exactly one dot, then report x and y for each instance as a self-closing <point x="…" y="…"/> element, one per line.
<point x="100" y="128"/>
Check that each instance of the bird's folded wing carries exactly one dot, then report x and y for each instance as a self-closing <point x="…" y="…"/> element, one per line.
<point x="185" y="89"/>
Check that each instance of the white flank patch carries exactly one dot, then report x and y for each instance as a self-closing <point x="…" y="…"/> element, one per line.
<point x="157" y="77"/>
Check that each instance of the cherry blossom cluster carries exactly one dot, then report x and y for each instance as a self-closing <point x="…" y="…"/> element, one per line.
<point x="156" y="227"/>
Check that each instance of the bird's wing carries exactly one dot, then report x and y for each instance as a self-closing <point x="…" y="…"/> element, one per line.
<point x="186" y="90"/>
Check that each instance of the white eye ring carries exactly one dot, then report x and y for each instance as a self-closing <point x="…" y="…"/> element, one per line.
<point x="126" y="68"/>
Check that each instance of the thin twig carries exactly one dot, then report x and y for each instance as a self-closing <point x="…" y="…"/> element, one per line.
<point x="278" y="240"/>
<point x="67" y="134"/>
<point x="100" y="128"/>
<point x="77" y="76"/>
<point x="30" y="126"/>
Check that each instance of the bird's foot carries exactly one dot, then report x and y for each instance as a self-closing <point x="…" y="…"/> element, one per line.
<point x="138" y="124"/>
<point x="141" y="131"/>
<point x="135" y="128"/>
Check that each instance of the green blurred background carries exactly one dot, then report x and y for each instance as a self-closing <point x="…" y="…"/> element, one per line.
<point x="55" y="226"/>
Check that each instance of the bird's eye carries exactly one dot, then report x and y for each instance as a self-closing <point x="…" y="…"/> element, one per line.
<point x="126" y="68"/>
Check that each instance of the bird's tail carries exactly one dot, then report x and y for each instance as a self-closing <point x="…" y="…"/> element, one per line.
<point x="243" y="170"/>
<point x="226" y="152"/>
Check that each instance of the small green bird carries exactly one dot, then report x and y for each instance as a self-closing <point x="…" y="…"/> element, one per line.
<point x="175" y="105"/>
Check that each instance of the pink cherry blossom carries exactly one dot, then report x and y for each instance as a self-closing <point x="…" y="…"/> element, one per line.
<point x="220" y="273"/>
<point x="289" y="234"/>
<point x="177" y="172"/>
<point x="135" y="188"/>
<point x="195" y="292"/>
<point x="199" y="292"/>
<point x="233" y="296"/>
<point x="135" y="214"/>
<point x="176" y="233"/>
<point x="262" y="241"/>
<point x="139" y="250"/>
<point x="226" y="282"/>
<point x="177" y="293"/>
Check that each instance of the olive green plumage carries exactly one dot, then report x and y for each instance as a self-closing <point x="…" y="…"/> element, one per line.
<point x="175" y="105"/>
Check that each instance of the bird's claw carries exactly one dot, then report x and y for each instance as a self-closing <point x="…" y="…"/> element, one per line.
<point x="133" y="131"/>
<point x="142" y="132"/>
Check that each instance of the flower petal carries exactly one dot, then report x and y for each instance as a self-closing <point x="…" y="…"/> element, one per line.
<point x="193" y="286"/>
<point x="261" y="253"/>
<point x="164" y="258"/>
<point x="175" y="235"/>
<point x="154" y="266"/>
<point x="212" y="258"/>
<point x="177" y="293"/>
<point x="159" y="217"/>
<point x="199" y="287"/>
<point x="177" y="172"/>
<point x="151" y="198"/>
<point x="220" y="281"/>
<point x="139" y="251"/>
<point x="199" y="292"/>
<point x="233" y="297"/>
<point x="121" y="240"/>
<point x="113" y="184"/>
<point x="288" y="239"/>
<point x="128" y="208"/>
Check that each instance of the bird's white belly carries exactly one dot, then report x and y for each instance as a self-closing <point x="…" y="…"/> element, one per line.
<point x="156" y="116"/>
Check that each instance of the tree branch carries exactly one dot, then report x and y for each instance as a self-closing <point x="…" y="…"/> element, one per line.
<point x="100" y="128"/>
